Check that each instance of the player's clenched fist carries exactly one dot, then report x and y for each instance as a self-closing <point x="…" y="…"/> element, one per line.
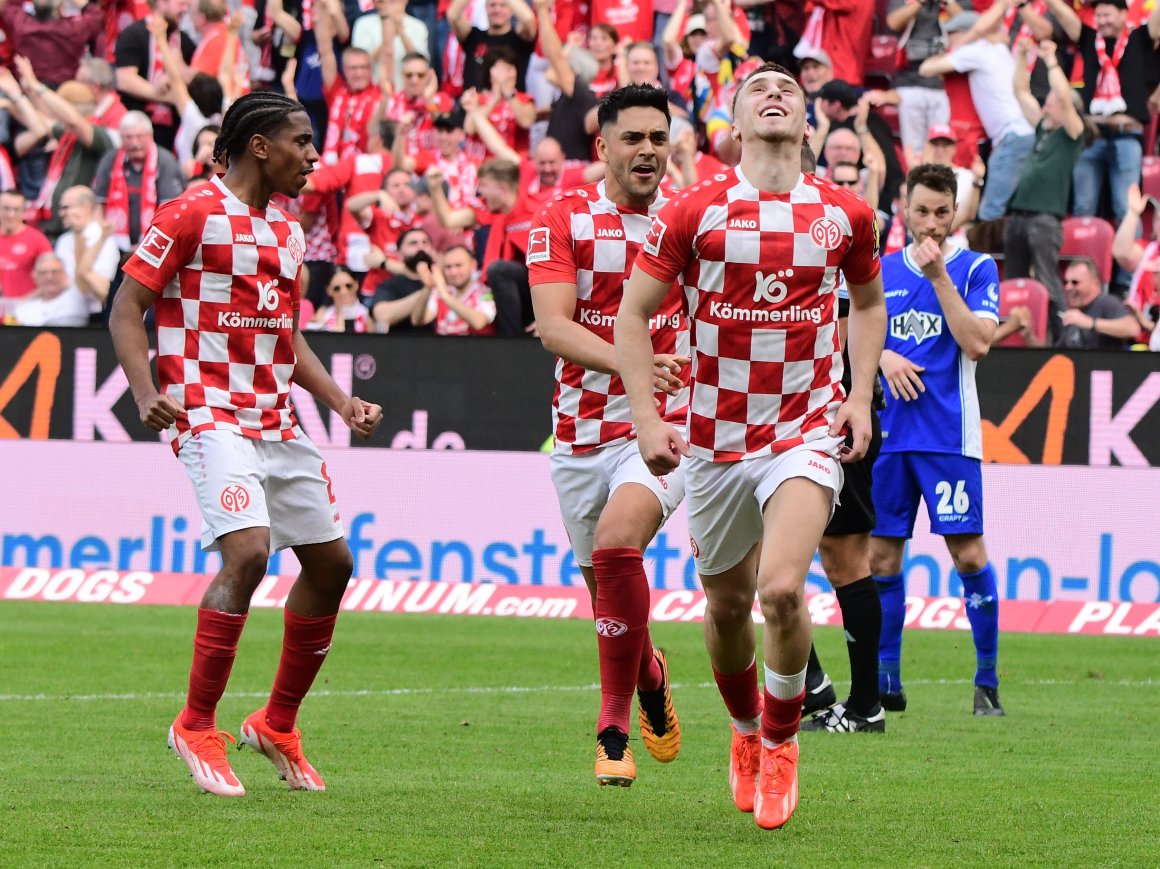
<point x="362" y="417"/>
<point x="159" y="412"/>
<point x="929" y="258"/>
<point x="667" y="372"/>
<point x="661" y="446"/>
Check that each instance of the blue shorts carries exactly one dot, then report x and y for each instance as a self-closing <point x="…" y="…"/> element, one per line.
<point x="951" y="486"/>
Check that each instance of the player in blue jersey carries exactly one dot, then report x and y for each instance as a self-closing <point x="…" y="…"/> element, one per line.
<point x="943" y="305"/>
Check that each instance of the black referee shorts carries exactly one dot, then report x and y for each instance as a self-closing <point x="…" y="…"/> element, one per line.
<point x="855" y="513"/>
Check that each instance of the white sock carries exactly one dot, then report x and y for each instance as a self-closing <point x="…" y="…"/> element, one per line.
<point x="785" y="687"/>
<point x="747" y="726"/>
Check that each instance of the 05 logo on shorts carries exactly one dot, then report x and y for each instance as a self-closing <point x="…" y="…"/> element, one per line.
<point x="154" y="247"/>
<point x="235" y="499"/>
<point x="611" y="628"/>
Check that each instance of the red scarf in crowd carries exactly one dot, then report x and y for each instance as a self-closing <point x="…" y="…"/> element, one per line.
<point x="161" y="113"/>
<point x="56" y="163"/>
<point x="7" y="174"/>
<point x="1108" y="100"/>
<point x="350" y="113"/>
<point x="117" y="199"/>
<point x="1039" y="7"/>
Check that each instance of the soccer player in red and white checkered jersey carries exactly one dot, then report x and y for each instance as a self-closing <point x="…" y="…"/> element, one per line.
<point x="580" y="251"/>
<point x="221" y="268"/>
<point x="758" y="249"/>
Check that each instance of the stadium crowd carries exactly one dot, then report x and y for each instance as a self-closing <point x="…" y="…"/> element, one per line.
<point x="444" y="126"/>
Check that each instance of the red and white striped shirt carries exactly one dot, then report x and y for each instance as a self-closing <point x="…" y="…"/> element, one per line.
<point x="228" y="279"/>
<point x="760" y="270"/>
<point x="583" y="238"/>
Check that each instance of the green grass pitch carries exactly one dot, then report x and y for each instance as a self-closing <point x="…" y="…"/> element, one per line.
<point x="458" y="741"/>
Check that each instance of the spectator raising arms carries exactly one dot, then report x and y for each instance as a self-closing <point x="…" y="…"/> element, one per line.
<point x="1142" y="261"/>
<point x="454" y="297"/>
<point x="521" y="39"/>
<point x="53" y="43"/>
<point x="352" y="97"/>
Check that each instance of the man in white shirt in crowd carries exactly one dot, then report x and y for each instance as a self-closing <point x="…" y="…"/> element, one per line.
<point x="86" y="248"/>
<point x="55" y="301"/>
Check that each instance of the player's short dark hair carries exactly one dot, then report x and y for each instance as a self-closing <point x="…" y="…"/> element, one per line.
<point x="631" y="97"/>
<point x="261" y="113"/>
<point x="206" y="93"/>
<point x="503" y="171"/>
<point x="499" y="54"/>
<point x="809" y="159"/>
<point x="768" y="66"/>
<point x="933" y="176"/>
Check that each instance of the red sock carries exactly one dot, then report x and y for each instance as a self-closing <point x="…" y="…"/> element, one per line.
<point x="304" y="646"/>
<point x="649" y="677"/>
<point x="215" y="645"/>
<point x="739" y="691"/>
<point x="782" y="718"/>
<point x="622" y="601"/>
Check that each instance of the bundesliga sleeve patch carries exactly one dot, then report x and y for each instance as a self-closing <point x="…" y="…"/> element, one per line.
<point x="538" y="245"/>
<point x="155" y="247"/>
<point x="656" y="234"/>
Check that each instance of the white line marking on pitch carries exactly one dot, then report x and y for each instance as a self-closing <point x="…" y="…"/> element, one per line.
<point x="508" y="689"/>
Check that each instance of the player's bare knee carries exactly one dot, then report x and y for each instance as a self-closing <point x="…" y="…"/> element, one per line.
<point x="969" y="554"/>
<point x="885" y="559"/>
<point x="246" y="564"/>
<point x="616" y="535"/>
<point x="780" y="600"/>
<point x="729" y="612"/>
<point x="844" y="559"/>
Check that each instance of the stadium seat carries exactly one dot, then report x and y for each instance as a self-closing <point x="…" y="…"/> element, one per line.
<point x="1088" y="236"/>
<point x="1029" y="294"/>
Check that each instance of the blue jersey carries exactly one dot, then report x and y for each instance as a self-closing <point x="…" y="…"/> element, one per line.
<point x="945" y="418"/>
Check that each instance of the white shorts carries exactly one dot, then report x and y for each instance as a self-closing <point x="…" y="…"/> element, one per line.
<point x="585" y="482"/>
<point x="726" y="499"/>
<point x="242" y="482"/>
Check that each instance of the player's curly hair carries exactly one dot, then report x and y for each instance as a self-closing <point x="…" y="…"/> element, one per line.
<point x="261" y="113"/>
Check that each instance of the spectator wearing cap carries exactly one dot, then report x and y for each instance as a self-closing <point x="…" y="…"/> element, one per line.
<point x="571" y="122"/>
<point x="679" y="47"/>
<point x="838" y="106"/>
<point x="1121" y="67"/>
<point x="352" y="97"/>
<point x="140" y="74"/>
<point x="841" y="28"/>
<point x="86" y="247"/>
<point x="54" y="44"/>
<point x="55" y="300"/>
<point x="1034" y="233"/>
<point x="1093" y="320"/>
<point x="923" y="100"/>
<point x="1141" y="260"/>
<point x="455" y="166"/>
<point x="509" y="220"/>
<point x="978" y="47"/>
<point x="476" y="42"/>
<point x="941" y="144"/>
<point x="413" y="108"/>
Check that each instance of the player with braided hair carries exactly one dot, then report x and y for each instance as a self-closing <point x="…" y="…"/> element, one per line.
<point x="221" y="267"/>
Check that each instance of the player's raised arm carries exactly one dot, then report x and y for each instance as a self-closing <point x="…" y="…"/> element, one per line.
<point x="661" y="445"/>
<point x="127" y="329"/>
<point x="972" y="332"/>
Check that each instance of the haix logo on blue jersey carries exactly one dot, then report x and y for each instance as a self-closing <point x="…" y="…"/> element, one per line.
<point x="918" y="325"/>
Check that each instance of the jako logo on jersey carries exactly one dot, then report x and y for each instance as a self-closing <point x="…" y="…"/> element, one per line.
<point x="610" y="233"/>
<point x="243" y="238"/>
<point x="235" y="499"/>
<point x="155" y="247"/>
<point x="741" y="223"/>
<point x="611" y="628"/>
<point x="656" y="234"/>
<point x="814" y="463"/>
<point x="919" y="325"/>
<point x="826" y="232"/>
<point x="771" y="289"/>
<point x="538" y="245"/>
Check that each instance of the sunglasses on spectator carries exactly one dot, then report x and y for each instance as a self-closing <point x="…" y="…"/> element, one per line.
<point x="1072" y="283"/>
<point x="853" y="182"/>
<point x="345" y="285"/>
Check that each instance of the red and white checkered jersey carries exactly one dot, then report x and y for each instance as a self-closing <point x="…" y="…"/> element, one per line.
<point x="228" y="279"/>
<point x="583" y="238"/>
<point x="760" y="271"/>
